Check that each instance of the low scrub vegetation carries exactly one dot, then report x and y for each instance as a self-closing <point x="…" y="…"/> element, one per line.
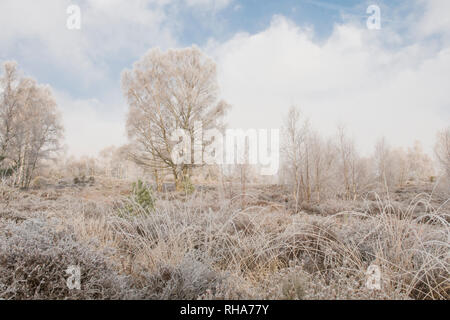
<point x="186" y="249"/>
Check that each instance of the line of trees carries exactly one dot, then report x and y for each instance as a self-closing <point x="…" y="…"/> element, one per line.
<point x="319" y="168"/>
<point x="30" y="126"/>
<point x="111" y="162"/>
<point x="172" y="90"/>
<point x="178" y="89"/>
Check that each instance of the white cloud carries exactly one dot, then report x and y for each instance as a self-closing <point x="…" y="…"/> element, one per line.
<point x="209" y="4"/>
<point x="435" y="19"/>
<point x="350" y="78"/>
<point x="87" y="129"/>
<point x="133" y="26"/>
<point x="36" y="32"/>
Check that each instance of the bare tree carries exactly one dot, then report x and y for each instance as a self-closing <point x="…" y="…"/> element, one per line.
<point x="323" y="154"/>
<point x="442" y="150"/>
<point x="352" y="169"/>
<point x="31" y="129"/>
<point x="295" y="131"/>
<point x="420" y="165"/>
<point x="13" y="92"/>
<point x="167" y="91"/>
<point x="383" y="158"/>
<point x="347" y="157"/>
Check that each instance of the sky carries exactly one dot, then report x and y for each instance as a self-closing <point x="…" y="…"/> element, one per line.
<point x="317" y="55"/>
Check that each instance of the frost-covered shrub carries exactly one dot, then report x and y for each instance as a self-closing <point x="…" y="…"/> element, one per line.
<point x="189" y="280"/>
<point x="34" y="259"/>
